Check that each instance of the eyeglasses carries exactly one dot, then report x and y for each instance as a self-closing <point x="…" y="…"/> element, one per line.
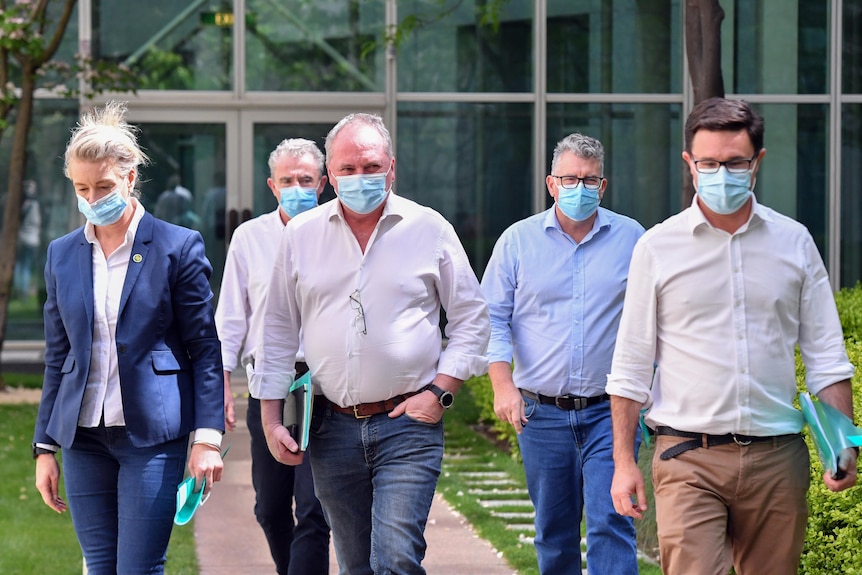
<point x="590" y="182"/>
<point x="735" y="166"/>
<point x="359" y="320"/>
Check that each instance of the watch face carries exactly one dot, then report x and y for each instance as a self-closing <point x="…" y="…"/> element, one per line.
<point x="447" y="399"/>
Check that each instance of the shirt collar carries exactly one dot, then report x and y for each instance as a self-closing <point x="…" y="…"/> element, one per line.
<point x="90" y="230"/>
<point x="394" y="206"/>
<point x="602" y="221"/>
<point x="696" y="217"/>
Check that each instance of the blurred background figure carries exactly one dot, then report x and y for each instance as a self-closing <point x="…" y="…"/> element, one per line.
<point x="28" y="242"/>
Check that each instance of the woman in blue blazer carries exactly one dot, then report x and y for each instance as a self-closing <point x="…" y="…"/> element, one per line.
<point x="132" y="361"/>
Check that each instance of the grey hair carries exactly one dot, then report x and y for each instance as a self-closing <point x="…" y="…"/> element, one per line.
<point x="372" y="120"/>
<point x="583" y="147"/>
<point x="296" y="147"/>
<point x="103" y="134"/>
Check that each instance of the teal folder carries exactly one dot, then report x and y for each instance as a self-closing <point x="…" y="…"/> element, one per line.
<point x="831" y="430"/>
<point x="297" y="410"/>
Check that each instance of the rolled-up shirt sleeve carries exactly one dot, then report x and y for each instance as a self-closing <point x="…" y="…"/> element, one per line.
<point x="467" y="327"/>
<point x="634" y="354"/>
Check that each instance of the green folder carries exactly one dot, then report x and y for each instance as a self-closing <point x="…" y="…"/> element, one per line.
<point x="831" y="430"/>
<point x="297" y="410"/>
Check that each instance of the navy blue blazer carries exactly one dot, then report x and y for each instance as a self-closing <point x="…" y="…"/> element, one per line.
<point x="168" y="352"/>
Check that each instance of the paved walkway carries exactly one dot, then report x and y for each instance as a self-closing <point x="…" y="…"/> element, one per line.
<point x="229" y="540"/>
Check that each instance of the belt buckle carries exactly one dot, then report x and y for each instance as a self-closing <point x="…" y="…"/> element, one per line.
<point x="356" y="413"/>
<point x="739" y="442"/>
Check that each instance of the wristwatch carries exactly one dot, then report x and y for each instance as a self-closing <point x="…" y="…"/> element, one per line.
<point x="446" y="398"/>
<point x="37" y="451"/>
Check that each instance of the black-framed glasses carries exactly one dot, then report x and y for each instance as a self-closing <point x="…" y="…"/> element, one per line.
<point x="359" y="320"/>
<point x="590" y="182"/>
<point x="734" y="166"/>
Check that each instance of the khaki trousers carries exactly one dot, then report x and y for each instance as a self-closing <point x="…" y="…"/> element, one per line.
<point x="732" y="505"/>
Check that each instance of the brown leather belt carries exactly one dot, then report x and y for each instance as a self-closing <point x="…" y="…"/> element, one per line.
<point x="363" y="410"/>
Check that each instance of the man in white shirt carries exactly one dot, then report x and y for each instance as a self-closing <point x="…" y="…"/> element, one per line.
<point x="365" y="277"/>
<point x="296" y="180"/>
<point x="717" y="300"/>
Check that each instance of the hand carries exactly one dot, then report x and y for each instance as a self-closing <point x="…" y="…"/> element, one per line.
<point x="48" y="482"/>
<point x="229" y="411"/>
<point x="423" y="407"/>
<point x="205" y="461"/>
<point x="281" y="444"/>
<point x="509" y="406"/>
<point x="847" y="464"/>
<point x="628" y="484"/>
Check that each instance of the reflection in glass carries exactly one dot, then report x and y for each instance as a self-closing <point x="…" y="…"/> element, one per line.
<point x="453" y="52"/>
<point x="266" y="139"/>
<point x="852" y="48"/>
<point x="613" y="46"/>
<point x="775" y="47"/>
<point x="315" y="45"/>
<point x="170" y="45"/>
<point x="52" y="209"/>
<point x="851" y="198"/>
<point x="185" y="183"/>
<point x="473" y="163"/>
<point x="643" y="163"/>
<point x="794" y="177"/>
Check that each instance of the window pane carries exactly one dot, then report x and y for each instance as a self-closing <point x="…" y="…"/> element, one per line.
<point x="851" y="199"/>
<point x="315" y="45"/>
<point x="643" y="162"/>
<point x="185" y="184"/>
<point x="455" y="53"/>
<point x="852" y="48"/>
<point x="470" y="162"/>
<point x="614" y="46"/>
<point x="49" y="213"/>
<point x="170" y="45"/>
<point x="775" y="47"/>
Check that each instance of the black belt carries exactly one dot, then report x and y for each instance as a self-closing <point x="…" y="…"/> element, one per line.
<point x="567" y="402"/>
<point x="705" y="440"/>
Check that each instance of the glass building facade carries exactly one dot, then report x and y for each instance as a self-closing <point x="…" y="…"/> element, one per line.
<point x="475" y="108"/>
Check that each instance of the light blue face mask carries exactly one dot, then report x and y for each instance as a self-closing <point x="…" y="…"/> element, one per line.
<point x="578" y="203"/>
<point x="104" y="211"/>
<point x="362" y="193"/>
<point x="295" y="199"/>
<point x="724" y="192"/>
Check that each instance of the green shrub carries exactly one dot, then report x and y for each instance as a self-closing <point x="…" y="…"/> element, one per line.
<point x="849" y="303"/>
<point x="834" y="519"/>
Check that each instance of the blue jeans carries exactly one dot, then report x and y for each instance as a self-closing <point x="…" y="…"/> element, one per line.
<point x="375" y="478"/>
<point x="122" y="499"/>
<point x="296" y="549"/>
<point x="568" y="460"/>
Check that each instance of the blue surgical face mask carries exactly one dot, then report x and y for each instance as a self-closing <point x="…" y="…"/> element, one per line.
<point x="104" y="211"/>
<point x="724" y="192"/>
<point x="295" y="199"/>
<point x="577" y="203"/>
<point x="362" y="193"/>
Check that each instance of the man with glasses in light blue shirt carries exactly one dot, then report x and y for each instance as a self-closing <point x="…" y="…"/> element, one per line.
<point x="555" y="286"/>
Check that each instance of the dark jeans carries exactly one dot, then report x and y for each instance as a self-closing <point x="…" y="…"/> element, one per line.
<point x="297" y="549"/>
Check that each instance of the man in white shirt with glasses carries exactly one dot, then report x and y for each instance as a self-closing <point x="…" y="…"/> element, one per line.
<point x="365" y="277"/>
<point x="718" y="298"/>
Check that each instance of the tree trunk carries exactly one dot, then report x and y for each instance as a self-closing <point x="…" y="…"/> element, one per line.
<point x="12" y="213"/>
<point x="703" y="20"/>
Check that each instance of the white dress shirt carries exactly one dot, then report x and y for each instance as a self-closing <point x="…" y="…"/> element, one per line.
<point x="102" y="393"/>
<point x="413" y="265"/>
<point x="247" y="269"/>
<point x="721" y="315"/>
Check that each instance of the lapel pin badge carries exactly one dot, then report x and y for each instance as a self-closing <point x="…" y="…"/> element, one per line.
<point x="137" y="258"/>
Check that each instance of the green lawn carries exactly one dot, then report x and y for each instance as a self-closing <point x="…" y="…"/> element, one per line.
<point x="36" y="540"/>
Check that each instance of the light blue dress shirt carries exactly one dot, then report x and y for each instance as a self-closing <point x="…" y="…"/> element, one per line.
<point x="555" y="304"/>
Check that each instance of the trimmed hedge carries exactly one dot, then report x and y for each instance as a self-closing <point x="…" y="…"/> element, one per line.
<point x="835" y="519"/>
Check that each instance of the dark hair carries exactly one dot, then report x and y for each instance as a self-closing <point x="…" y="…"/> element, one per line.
<point x="723" y="115"/>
